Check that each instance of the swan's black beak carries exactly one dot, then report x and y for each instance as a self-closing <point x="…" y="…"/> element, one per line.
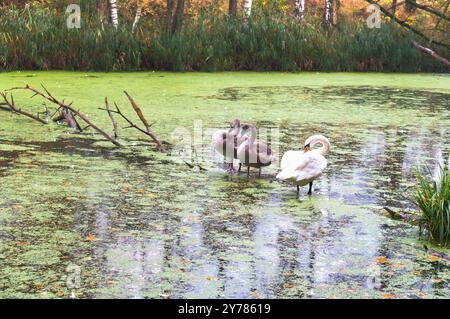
<point x="306" y="148"/>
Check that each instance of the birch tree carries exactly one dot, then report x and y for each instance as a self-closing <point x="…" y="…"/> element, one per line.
<point x="137" y="17"/>
<point x="331" y="12"/>
<point x="113" y="15"/>
<point x="299" y="8"/>
<point x="247" y="9"/>
<point x="328" y="13"/>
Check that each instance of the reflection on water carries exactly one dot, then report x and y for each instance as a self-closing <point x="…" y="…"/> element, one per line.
<point x="141" y="226"/>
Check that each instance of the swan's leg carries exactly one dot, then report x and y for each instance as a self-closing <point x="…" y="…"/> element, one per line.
<point x="310" y="188"/>
<point x="298" y="189"/>
<point x="248" y="171"/>
<point x="259" y="174"/>
<point x="240" y="166"/>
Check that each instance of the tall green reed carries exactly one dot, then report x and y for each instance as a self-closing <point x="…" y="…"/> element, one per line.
<point x="433" y="199"/>
<point x="38" y="39"/>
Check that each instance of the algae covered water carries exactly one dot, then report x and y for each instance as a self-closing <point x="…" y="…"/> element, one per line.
<point x="82" y="218"/>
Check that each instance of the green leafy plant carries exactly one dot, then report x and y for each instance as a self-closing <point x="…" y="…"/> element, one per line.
<point x="433" y="199"/>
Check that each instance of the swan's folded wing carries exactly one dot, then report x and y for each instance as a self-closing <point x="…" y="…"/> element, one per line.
<point x="310" y="168"/>
<point x="290" y="158"/>
<point x="292" y="164"/>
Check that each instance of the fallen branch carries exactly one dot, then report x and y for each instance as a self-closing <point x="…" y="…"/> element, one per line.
<point x="428" y="9"/>
<point x="192" y="166"/>
<point x="406" y="25"/>
<point x="118" y="111"/>
<point x="67" y="116"/>
<point x="48" y="96"/>
<point x="11" y="106"/>
<point x="432" y="53"/>
<point x="113" y="121"/>
<point x="144" y="121"/>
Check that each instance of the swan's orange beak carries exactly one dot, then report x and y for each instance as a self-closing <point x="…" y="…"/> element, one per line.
<point x="306" y="148"/>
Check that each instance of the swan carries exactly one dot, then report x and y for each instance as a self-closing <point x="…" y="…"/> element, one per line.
<point x="253" y="154"/>
<point x="303" y="167"/>
<point x="225" y="142"/>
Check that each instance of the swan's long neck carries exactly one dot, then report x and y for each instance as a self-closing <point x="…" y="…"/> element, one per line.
<point x="319" y="139"/>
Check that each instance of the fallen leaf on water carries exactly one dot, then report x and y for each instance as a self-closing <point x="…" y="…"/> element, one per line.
<point x="126" y="188"/>
<point x="17" y="206"/>
<point x="387" y="296"/>
<point x="151" y="195"/>
<point x="91" y="237"/>
<point x="434" y="258"/>
<point x="437" y="280"/>
<point x="60" y="294"/>
<point x="209" y="278"/>
<point x="400" y="265"/>
<point x="289" y="285"/>
<point x="382" y="260"/>
<point x="39" y="286"/>
<point x="23" y="243"/>
<point x="141" y="190"/>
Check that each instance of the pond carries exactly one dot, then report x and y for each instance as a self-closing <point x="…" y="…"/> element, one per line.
<point x="81" y="218"/>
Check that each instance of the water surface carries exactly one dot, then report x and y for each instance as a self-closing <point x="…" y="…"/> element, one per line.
<point x="138" y="224"/>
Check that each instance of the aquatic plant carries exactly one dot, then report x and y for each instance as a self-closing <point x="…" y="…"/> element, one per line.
<point x="433" y="199"/>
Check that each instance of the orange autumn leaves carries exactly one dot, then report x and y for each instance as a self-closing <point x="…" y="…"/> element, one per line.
<point x="126" y="188"/>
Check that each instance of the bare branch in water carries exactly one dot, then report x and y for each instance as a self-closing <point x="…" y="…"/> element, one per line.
<point x="113" y="121"/>
<point x="9" y="105"/>
<point x="48" y="96"/>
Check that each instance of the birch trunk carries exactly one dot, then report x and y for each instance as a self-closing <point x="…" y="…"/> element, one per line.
<point x="247" y="9"/>
<point x="328" y="14"/>
<point x="137" y="17"/>
<point x="299" y="9"/>
<point x="113" y="15"/>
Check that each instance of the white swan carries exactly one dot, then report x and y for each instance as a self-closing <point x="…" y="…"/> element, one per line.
<point x="226" y="142"/>
<point x="251" y="153"/>
<point x="303" y="167"/>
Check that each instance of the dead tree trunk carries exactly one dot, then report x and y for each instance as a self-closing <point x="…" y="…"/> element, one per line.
<point x="178" y="18"/>
<point x="394" y="7"/>
<point x="232" y="8"/>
